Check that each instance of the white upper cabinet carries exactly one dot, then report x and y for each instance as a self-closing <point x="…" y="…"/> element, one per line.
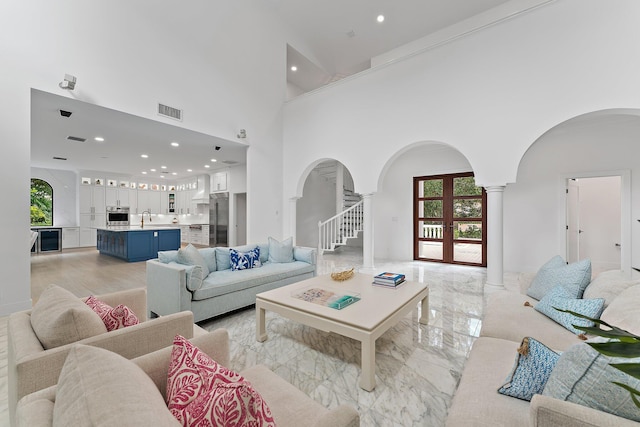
<point x="117" y="197"/>
<point x="219" y="181"/>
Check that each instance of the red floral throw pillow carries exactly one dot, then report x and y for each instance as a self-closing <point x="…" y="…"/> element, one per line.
<point x="200" y="392"/>
<point x="113" y="318"/>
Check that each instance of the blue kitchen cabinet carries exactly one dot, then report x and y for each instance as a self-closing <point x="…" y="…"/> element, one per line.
<point x="137" y="244"/>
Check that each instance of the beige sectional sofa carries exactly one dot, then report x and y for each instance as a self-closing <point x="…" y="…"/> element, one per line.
<point x="506" y="322"/>
<point x="124" y="398"/>
<point x="31" y="367"/>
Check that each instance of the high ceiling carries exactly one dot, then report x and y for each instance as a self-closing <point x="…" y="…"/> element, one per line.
<point x="339" y="36"/>
<point x="343" y="35"/>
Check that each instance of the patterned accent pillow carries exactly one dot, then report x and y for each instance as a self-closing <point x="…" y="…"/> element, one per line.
<point x="560" y="298"/>
<point x="281" y="251"/>
<point x="112" y="317"/>
<point x="584" y="376"/>
<point x="573" y="277"/>
<point x="202" y="392"/>
<point x="245" y="260"/>
<point x="531" y="370"/>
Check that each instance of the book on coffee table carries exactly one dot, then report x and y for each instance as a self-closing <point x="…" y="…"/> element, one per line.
<point x="327" y="298"/>
<point x="388" y="279"/>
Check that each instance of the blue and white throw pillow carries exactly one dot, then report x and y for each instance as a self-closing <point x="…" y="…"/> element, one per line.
<point x="560" y="298"/>
<point x="586" y="377"/>
<point x="573" y="277"/>
<point x="531" y="370"/>
<point x="245" y="260"/>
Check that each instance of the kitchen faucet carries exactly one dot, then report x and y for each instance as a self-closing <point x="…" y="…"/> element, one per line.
<point x="142" y="217"/>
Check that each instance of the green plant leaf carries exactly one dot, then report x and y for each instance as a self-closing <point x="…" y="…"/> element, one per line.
<point x="618" y="334"/>
<point x="617" y="349"/>
<point x="631" y="390"/>
<point x="632" y="369"/>
<point x="613" y="333"/>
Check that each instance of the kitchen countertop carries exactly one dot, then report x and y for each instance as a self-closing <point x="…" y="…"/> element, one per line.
<point x="137" y="228"/>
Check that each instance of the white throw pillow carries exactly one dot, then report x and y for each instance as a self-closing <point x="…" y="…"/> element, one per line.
<point x="191" y="256"/>
<point x="281" y="251"/>
<point x="60" y="318"/>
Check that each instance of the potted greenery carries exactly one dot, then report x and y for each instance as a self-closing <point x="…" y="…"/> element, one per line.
<point x="623" y="344"/>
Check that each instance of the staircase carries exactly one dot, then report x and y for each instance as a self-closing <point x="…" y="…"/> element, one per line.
<point x="337" y="230"/>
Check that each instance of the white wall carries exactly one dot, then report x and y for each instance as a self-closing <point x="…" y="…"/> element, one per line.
<point x="600" y="222"/>
<point x="534" y="224"/>
<point x="393" y="204"/>
<point x="65" y="194"/>
<point x="317" y="204"/>
<point x="490" y="96"/>
<point x="222" y="62"/>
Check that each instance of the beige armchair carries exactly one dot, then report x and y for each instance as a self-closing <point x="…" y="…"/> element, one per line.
<point x="289" y="406"/>
<point x="32" y="368"/>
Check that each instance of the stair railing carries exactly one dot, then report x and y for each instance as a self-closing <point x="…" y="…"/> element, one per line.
<point x="337" y="229"/>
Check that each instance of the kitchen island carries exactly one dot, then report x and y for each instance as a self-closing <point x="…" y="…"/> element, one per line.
<point x="134" y="243"/>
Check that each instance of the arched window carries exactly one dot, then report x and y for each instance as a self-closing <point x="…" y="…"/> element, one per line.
<point x="41" y="202"/>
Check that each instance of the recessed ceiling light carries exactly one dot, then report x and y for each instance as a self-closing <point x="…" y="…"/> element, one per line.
<point x="99" y="138"/>
<point x="144" y="172"/>
<point x="380" y="18"/>
<point x="161" y="176"/>
<point x="294" y="68"/>
<point x="189" y="170"/>
<point x="206" y="166"/>
<point x="152" y="170"/>
<point x="163" y="167"/>
<point x="175" y="144"/>
<point x="213" y="160"/>
<point x="174" y="173"/>
<point x="144" y="156"/>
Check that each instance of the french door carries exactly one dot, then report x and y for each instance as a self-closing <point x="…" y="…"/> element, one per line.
<point x="450" y="223"/>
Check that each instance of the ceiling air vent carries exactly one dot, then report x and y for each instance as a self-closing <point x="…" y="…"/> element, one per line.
<point x="59" y="158"/>
<point x="171" y="112"/>
<point x="76" y="138"/>
<point x="229" y="162"/>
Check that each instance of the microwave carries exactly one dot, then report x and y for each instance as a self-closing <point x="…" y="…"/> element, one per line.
<point x="117" y="216"/>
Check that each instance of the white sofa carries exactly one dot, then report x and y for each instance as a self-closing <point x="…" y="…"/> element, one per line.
<point x="118" y="396"/>
<point x="506" y="322"/>
<point x="170" y="288"/>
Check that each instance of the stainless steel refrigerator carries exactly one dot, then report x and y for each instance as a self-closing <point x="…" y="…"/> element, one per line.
<point x="219" y="219"/>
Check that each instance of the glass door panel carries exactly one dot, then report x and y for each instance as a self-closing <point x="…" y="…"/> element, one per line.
<point x="449" y="219"/>
<point x="468" y="253"/>
<point x="431" y="250"/>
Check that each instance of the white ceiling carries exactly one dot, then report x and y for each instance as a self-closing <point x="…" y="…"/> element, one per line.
<point x="126" y="138"/>
<point x="343" y="35"/>
<point x="324" y="28"/>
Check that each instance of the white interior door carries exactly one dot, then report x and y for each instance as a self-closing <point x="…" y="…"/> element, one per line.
<point x="573" y="221"/>
<point x="594" y="218"/>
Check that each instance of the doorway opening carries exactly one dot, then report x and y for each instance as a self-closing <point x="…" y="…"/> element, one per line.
<point x="241" y="218"/>
<point x="450" y="223"/>
<point x="594" y="221"/>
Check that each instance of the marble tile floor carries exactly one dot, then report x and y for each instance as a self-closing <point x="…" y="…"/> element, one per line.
<point x="417" y="366"/>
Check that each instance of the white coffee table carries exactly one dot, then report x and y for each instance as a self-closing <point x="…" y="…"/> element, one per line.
<point x="378" y="310"/>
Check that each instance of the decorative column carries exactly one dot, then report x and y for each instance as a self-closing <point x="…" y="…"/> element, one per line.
<point x="293" y="217"/>
<point x="367" y="231"/>
<point x="495" y="233"/>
